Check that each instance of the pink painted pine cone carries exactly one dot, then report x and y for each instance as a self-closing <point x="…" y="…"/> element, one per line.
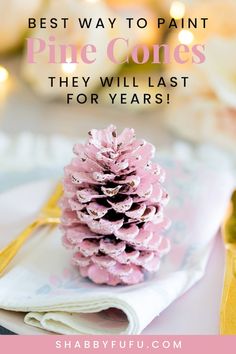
<point x="112" y="208"/>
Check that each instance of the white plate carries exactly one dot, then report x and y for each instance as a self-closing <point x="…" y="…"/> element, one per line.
<point x="200" y="305"/>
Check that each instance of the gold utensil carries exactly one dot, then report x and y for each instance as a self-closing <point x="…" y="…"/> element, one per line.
<point x="228" y="304"/>
<point x="49" y="215"/>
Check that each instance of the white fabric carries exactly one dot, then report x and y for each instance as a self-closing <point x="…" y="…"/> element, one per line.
<point x="41" y="282"/>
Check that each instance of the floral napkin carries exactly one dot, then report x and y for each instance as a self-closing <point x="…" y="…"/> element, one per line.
<point x="42" y="283"/>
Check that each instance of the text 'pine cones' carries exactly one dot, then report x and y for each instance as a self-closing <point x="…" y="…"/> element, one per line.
<point x="112" y="208"/>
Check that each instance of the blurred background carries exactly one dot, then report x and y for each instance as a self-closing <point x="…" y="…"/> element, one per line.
<point x="37" y="127"/>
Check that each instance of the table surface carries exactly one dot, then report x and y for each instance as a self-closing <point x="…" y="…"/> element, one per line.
<point x="21" y="110"/>
<point x="4" y="331"/>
